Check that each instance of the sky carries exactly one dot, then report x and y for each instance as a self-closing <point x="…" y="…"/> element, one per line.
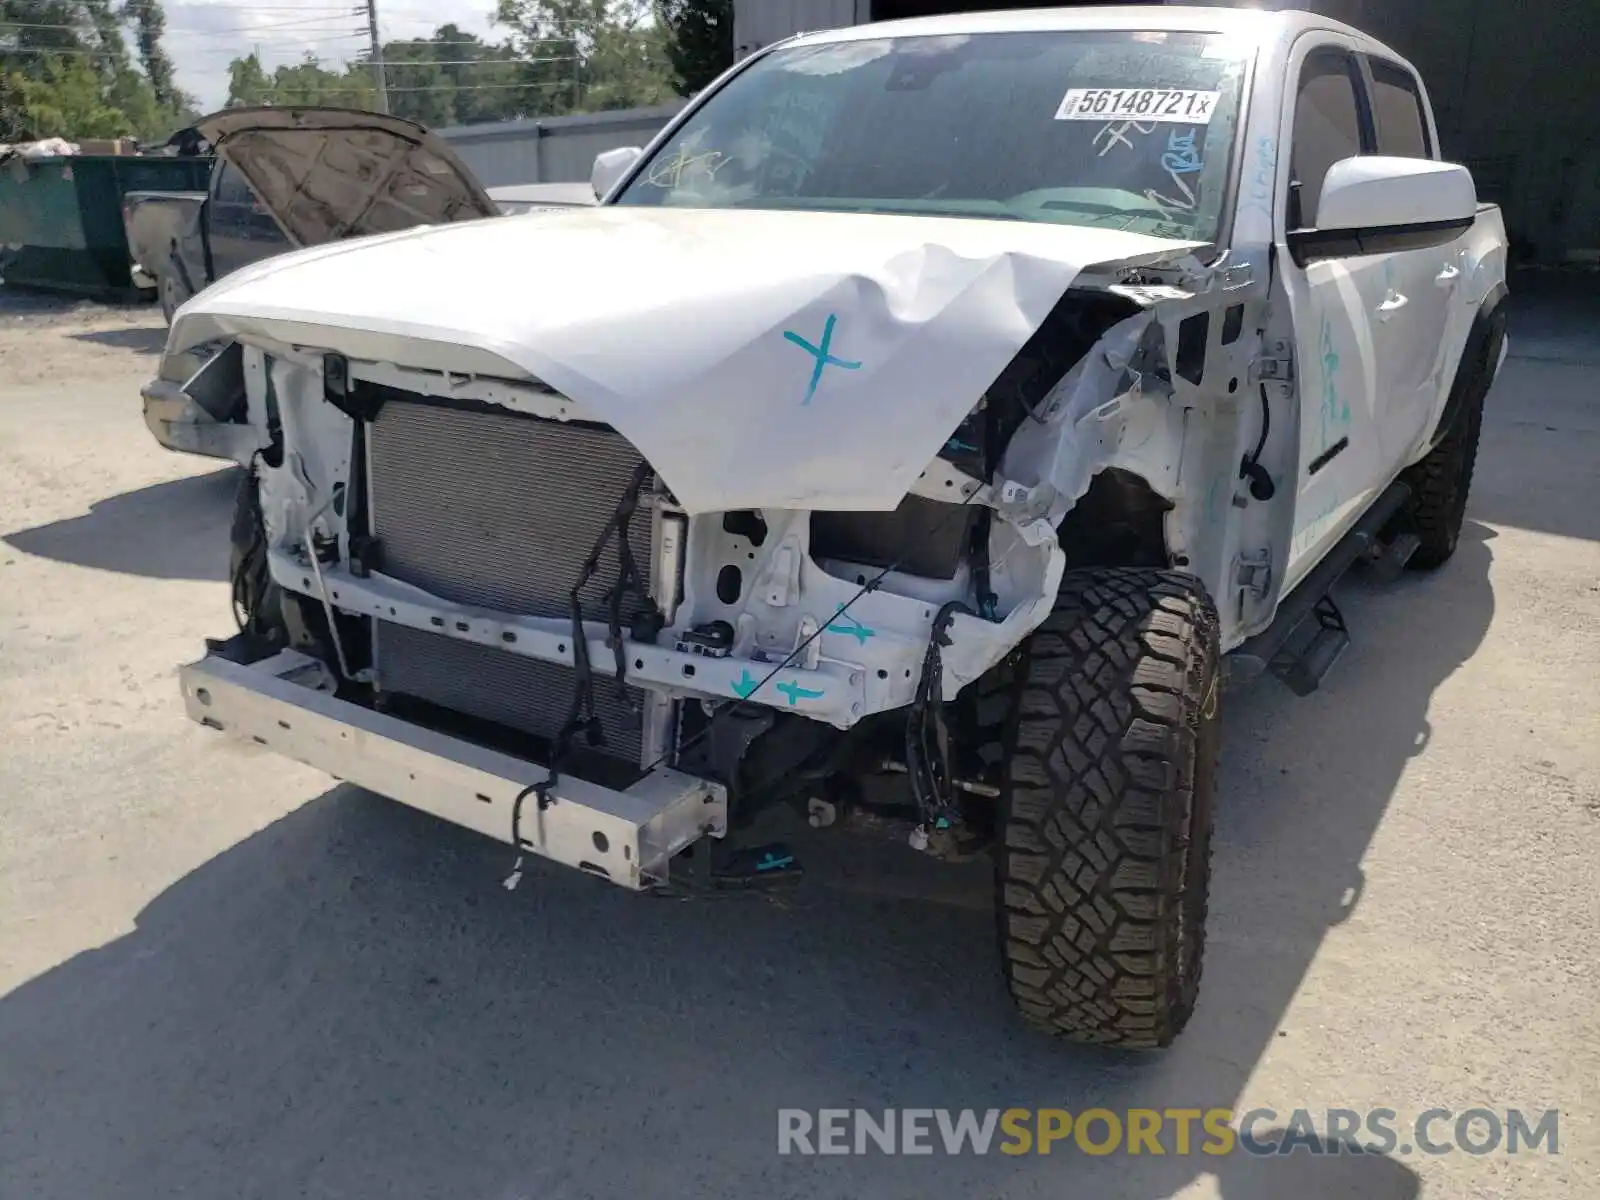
<point x="203" y="37"/>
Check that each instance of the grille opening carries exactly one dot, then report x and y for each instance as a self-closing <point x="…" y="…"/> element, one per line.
<point x="494" y="685"/>
<point x="595" y="767"/>
<point x="498" y="510"/>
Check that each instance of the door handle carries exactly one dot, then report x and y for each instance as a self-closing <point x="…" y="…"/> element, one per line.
<point x="1392" y="303"/>
<point x="1447" y="276"/>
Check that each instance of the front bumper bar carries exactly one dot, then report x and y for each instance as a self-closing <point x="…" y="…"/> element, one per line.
<point x="628" y="837"/>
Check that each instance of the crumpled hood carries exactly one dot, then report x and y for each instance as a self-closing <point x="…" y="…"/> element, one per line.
<point x="757" y="359"/>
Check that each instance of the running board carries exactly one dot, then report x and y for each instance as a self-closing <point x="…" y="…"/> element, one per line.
<point x="1302" y="661"/>
<point x="1387" y="560"/>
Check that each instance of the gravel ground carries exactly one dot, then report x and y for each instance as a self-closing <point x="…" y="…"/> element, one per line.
<point x="223" y="976"/>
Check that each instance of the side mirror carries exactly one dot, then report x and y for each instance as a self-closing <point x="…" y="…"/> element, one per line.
<point x="1378" y="205"/>
<point x="610" y="166"/>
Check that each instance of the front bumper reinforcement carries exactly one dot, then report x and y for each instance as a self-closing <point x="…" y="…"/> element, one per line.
<point x="627" y="837"/>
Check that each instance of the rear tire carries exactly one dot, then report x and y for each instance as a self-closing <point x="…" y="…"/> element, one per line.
<point x="172" y="291"/>
<point x="1103" y="869"/>
<point x="1441" y="481"/>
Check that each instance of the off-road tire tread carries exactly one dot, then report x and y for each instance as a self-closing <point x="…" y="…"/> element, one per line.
<point x="257" y="599"/>
<point x="1111" y="751"/>
<point x="1441" y="481"/>
<point x="173" y="271"/>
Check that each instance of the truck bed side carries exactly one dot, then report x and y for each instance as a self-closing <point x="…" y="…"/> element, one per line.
<point x="167" y="227"/>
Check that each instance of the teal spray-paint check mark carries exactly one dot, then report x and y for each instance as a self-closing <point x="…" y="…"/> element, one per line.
<point x="820" y="353"/>
<point x="745" y="684"/>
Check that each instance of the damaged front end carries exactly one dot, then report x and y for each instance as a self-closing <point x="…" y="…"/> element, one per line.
<point x="472" y="592"/>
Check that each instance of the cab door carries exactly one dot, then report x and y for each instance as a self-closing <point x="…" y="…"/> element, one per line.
<point x="240" y="228"/>
<point x="1343" y="311"/>
<point x="1426" y="283"/>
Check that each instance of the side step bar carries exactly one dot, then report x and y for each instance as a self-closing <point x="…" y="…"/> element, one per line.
<point x="1302" y="661"/>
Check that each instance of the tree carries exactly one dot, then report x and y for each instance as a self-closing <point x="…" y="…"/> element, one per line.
<point x="587" y="55"/>
<point x="309" y="82"/>
<point x="562" y="56"/>
<point x="451" y="78"/>
<point x="306" y="82"/>
<point x="248" y="84"/>
<point x="150" y="22"/>
<point x="67" y="68"/>
<point x="65" y="99"/>
<point x="699" y="37"/>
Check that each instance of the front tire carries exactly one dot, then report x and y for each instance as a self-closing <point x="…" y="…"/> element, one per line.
<point x="1103" y="870"/>
<point x="257" y="600"/>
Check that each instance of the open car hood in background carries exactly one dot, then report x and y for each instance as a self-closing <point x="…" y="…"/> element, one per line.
<point x="331" y="173"/>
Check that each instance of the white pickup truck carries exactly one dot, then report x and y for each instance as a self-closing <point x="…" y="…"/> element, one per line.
<point x="956" y="404"/>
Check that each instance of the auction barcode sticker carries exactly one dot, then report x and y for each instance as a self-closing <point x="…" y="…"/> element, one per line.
<point x="1181" y="105"/>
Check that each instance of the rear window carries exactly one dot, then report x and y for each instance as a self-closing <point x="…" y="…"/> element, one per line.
<point x="231" y="187"/>
<point x="1126" y="129"/>
<point x="1397" y="112"/>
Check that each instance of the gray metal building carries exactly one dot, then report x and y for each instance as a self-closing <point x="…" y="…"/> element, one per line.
<point x="1513" y="82"/>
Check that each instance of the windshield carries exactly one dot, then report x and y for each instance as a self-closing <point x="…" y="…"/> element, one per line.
<point x="1126" y="129"/>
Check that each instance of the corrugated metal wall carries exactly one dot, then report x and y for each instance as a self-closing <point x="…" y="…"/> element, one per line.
<point x="1515" y="92"/>
<point x="758" y="23"/>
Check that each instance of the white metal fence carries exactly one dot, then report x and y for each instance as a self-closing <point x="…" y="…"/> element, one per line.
<point x="551" y="149"/>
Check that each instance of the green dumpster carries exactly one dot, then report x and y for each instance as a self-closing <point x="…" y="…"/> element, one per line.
<point x="61" y="218"/>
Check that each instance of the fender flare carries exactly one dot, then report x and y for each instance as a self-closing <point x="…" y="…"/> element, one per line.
<point x="1480" y="358"/>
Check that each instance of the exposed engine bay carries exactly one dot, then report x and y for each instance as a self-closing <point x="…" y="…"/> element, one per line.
<point x="483" y="555"/>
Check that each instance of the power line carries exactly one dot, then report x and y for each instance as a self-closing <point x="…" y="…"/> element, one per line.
<point x="268" y="27"/>
<point x="6" y="27"/>
<point x="485" y="87"/>
<point x="332" y="17"/>
<point x="394" y="64"/>
<point x="556" y="41"/>
<point x="294" y="8"/>
<point x="208" y="52"/>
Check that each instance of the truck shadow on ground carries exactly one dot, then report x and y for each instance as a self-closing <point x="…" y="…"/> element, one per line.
<point x="349" y="1004"/>
<point x="172" y="530"/>
<point x="142" y="339"/>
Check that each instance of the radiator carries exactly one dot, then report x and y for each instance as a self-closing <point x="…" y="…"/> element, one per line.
<point x="519" y="693"/>
<point x="499" y="511"/>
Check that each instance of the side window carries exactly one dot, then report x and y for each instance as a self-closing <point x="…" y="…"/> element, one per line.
<point x="1397" y="111"/>
<point x="231" y="187"/>
<point x="1327" y="127"/>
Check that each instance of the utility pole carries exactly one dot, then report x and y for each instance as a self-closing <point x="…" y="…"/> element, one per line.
<point x="377" y="56"/>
